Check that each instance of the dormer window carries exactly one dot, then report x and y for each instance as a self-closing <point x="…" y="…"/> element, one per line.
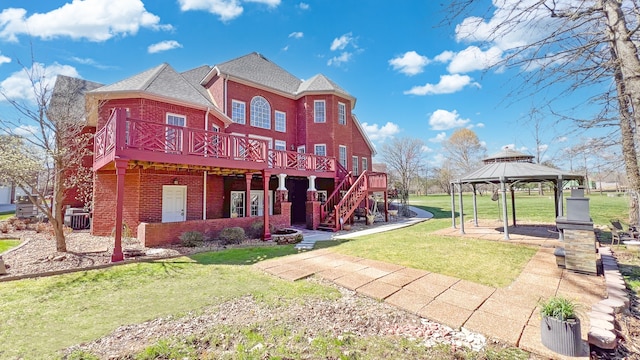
<point x="319" y="111"/>
<point x="260" y="113"/>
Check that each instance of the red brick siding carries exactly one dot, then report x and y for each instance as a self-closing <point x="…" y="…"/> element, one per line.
<point x="244" y="93"/>
<point x="71" y="194"/>
<point x="104" y="207"/>
<point x="151" y="184"/>
<point x="215" y="196"/>
<point x="156" y="234"/>
<point x="152" y="110"/>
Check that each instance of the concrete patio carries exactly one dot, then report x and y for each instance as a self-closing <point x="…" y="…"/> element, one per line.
<point x="507" y="314"/>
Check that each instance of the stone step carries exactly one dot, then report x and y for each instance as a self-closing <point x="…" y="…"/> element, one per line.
<point x="305" y="245"/>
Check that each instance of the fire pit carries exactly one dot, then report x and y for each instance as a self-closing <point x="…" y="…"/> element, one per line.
<point x="287" y="236"/>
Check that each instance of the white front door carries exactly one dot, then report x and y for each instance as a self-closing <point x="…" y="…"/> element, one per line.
<point x="174" y="203"/>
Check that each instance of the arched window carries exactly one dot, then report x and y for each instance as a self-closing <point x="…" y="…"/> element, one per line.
<point x="260" y="113"/>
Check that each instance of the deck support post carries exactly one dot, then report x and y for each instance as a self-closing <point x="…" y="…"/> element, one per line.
<point x="121" y="169"/>
<point x="266" y="235"/>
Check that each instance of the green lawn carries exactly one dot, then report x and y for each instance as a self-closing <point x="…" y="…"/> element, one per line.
<point x="5" y="216"/>
<point x="533" y="208"/>
<point x="42" y="316"/>
<point x="6" y="244"/>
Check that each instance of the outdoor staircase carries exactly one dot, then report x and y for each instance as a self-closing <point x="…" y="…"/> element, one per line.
<point x="341" y="206"/>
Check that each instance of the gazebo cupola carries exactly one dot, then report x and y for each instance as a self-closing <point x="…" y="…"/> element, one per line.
<point x="508" y="155"/>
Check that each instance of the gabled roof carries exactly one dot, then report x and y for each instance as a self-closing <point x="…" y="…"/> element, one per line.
<point x="364" y="135"/>
<point x="194" y="76"/>
<point x="320" y="83"/>
<point x="256" y="68"/>
<point x="67" y="98"/>
<point x="162" y="81"/>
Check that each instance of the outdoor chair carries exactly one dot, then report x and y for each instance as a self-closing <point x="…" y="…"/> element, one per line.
<point x="630" y="231"/>
<point x="616" y="236"/>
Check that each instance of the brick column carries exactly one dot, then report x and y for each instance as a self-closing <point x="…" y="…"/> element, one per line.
<point x="247" y="196"/>
<point x="313" y="213"/>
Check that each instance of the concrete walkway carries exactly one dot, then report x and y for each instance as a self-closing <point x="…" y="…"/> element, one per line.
<point x="508" y="314"/>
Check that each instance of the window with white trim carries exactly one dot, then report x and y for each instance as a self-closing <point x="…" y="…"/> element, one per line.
<point x="365" y="164"/>
<point x="322" y="196"/>
<point x="173" y="136"/>
<point x="238" y="112"/>
<point x="354" y="164"/>
<point x="260" y="113"/>
<point x="320" y="149"/>
<point x="257" y="202"/>
<point x="237" y="204"/>
<point x="342" y="155"/>
<point x="280" y="145"/>
<point x="342" y="114"/>
<point x="319" y="111"/>
<point x="281" y="121"/>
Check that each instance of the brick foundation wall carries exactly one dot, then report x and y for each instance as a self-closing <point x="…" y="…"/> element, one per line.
<point x="104" y="204"/>
<point x="158" y="234"/>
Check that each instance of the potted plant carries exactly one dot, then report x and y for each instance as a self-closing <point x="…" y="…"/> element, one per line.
<point x="560" y="326"/>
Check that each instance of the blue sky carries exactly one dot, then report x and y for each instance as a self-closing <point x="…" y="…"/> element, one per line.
<point x="413" y="74"/>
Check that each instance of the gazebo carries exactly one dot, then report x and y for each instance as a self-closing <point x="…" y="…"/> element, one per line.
<point x="509" y="168"/>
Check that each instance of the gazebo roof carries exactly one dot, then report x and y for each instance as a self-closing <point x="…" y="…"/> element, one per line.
<point x="516" y="171"/>
<point x="513" y="166"/>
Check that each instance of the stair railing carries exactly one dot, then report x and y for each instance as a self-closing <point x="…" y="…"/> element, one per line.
<point x="335" y="197"/>
<point x="351" y="199"/>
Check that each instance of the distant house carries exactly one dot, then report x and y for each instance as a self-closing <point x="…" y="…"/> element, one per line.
<point x="242" y="143"/>
<point x="7" y="193"/>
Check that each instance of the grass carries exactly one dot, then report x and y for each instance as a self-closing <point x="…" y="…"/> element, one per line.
<point x="6" y="244"/>
<point x="486" y="262"/>
<point x="5" y="216"/>
<point x="42" y="316"/>
<point x="533" y="208"/>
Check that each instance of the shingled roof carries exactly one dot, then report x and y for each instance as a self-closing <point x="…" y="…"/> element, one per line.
<point x="67" y="98"/>
<point x="320" y="83"/>
<point x="164" y="81"/>
<point x="256" y="68"/>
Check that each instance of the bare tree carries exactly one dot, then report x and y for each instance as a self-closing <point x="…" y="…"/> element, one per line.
<point x="46" y="143"/>
<point x="575" y="43"/>
<point x="404" y="157"/>
<point x="463" y="151"/>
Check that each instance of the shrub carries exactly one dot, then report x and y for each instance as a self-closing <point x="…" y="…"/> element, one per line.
<point x="559" y="308"/>
<point x="232" y="235"/>
<point x="19" y="225"/>
<point x="42" y="227"/>
<point x="5" y="227"/>
<point x="255" y="230"/>
<point x="191" y="238"/>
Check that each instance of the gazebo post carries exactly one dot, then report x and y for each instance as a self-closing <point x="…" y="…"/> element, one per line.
<point x="505" y="213"/>
<point x="453" y="205"/>
<point x="560" y="196"/>
<point x="513" y="205"/>
<point x="475" y="206"/>
<point x="461" y="209"/>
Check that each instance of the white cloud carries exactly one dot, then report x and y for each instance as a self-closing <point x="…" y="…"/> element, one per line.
<point x="225" y="9"/>
<point x="377" y="133"/>
<point x="269" y="3"/>
<point x="296" y="35"/>
<point x="480" y="125"/>
<point x="445" y="120"/>
<point x="473" y="58"/>
<point x="439" y="138"/>
<point x="448" y="84"/>
<point x="4" y="60"/>
<point x="438" y="159"/>
<point x="341" y="42"/>
<point x="411" y="63"/>
<point x="163" y="46"/>
<point x="444" y="56"/>
<point x="426" y="149"/>
<point x="94" y="20"/>
<point x="563" y="139"/>
<point x="25" y="130"/>
<point x="18" y="86"/>
<point x="341" y="59"/>
<point x="90" y="62"/>
<point x="543" y="147"/>
<point x="303" y="6"/>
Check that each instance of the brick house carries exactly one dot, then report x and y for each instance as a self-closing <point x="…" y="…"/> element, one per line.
<point x="234" y="144"/>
